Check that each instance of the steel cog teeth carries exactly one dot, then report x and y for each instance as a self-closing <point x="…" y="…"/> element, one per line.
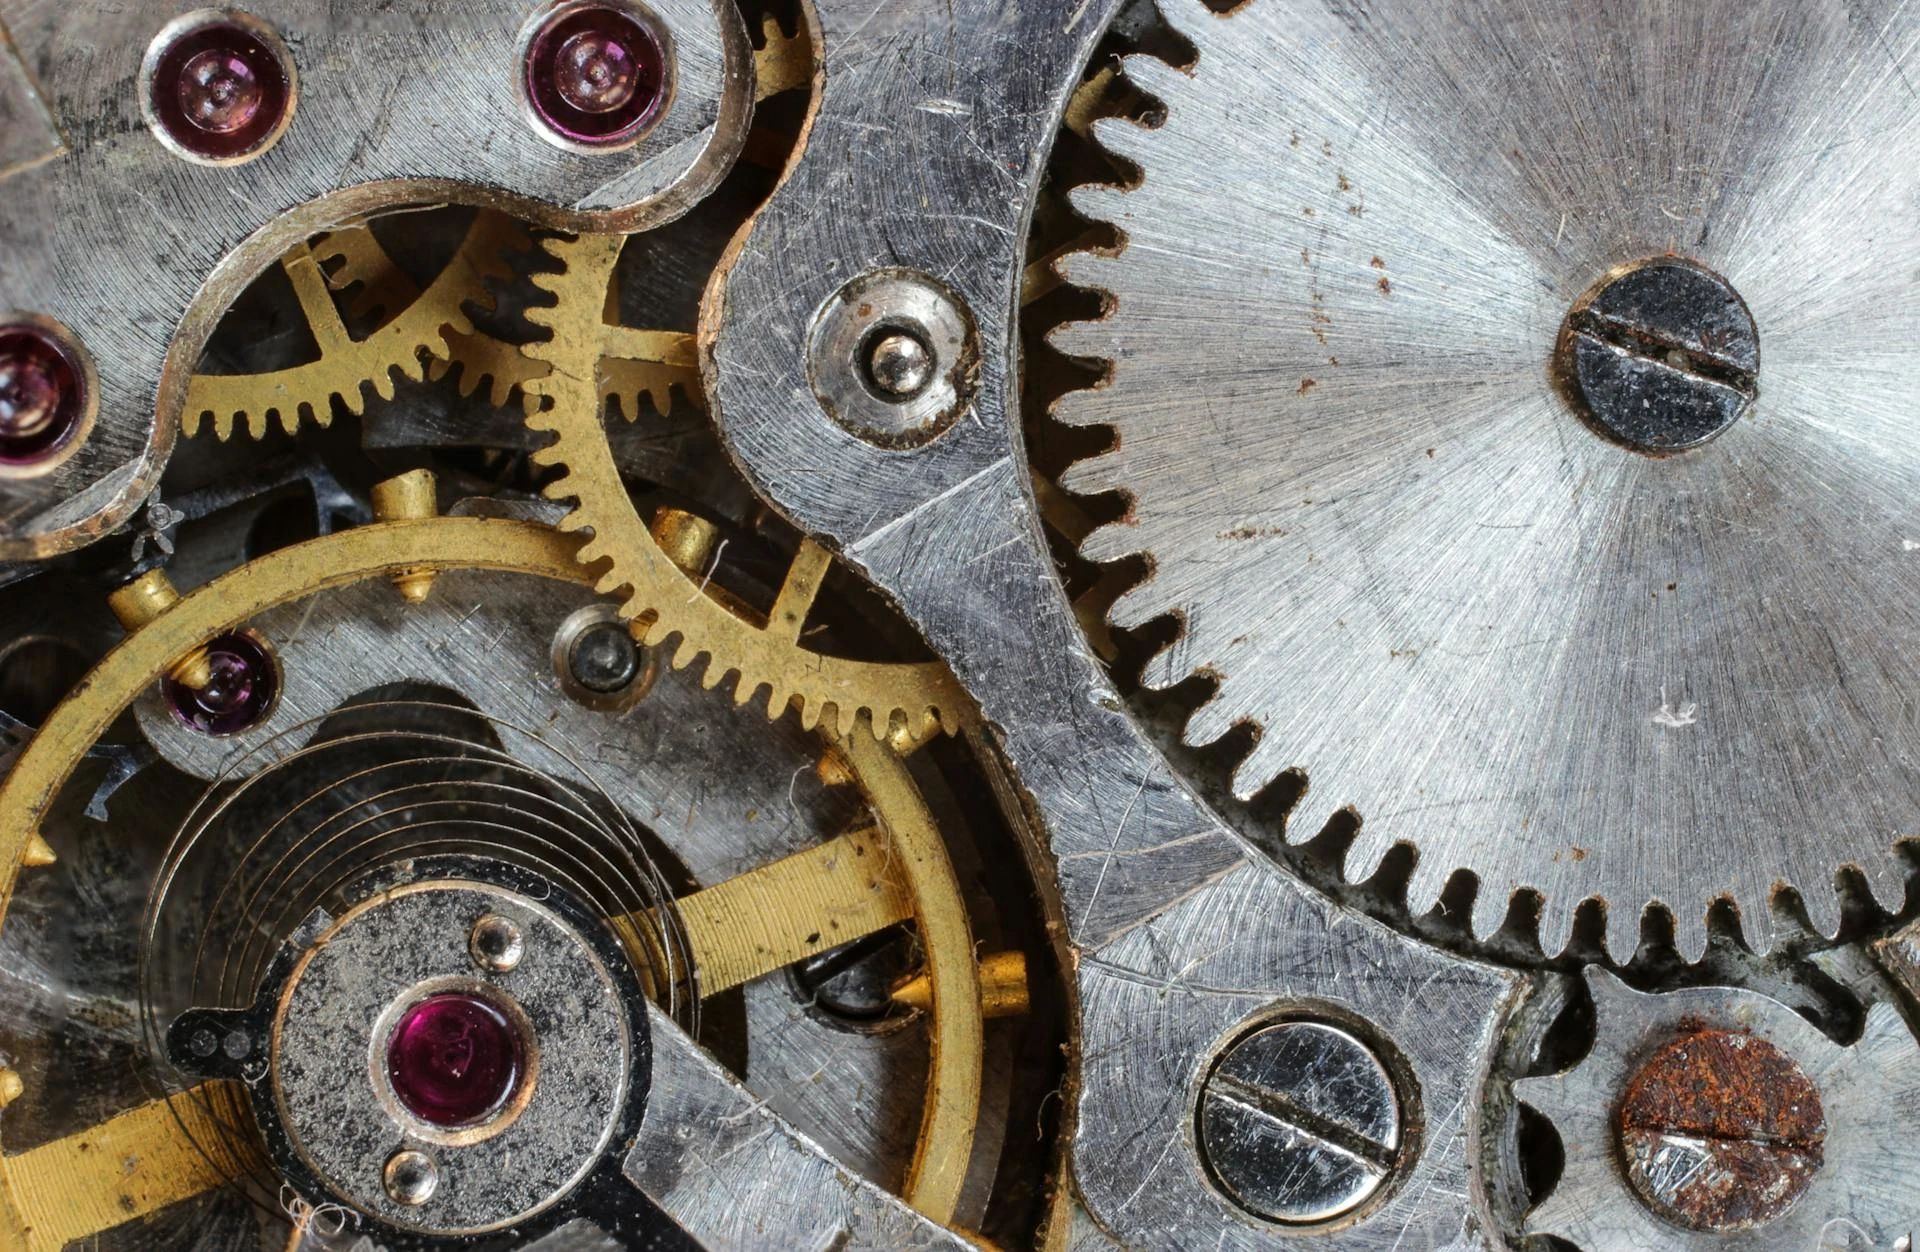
<point x="1342" y="632"/>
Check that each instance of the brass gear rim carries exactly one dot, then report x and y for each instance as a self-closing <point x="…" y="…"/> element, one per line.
<point x="38" y="1186"/>
<point x="585" y="355"/>
<point x="426" y="326"/>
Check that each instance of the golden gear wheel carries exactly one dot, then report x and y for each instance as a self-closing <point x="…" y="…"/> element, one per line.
<point x="591" y="359"/>
<point x="420" y="326"/>
<point x="740" y="929"/>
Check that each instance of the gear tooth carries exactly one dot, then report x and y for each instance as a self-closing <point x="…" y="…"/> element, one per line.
<point x="1428" y="882"/>
<point x="383" y="383"/>
<point x="1153" y="76"/>
<point x="1364" y="854"/>
<point x="1555" y="925"/>
<point x="1757" y="924"/>
<point x="1124" y="137"/>
<point x="1085" y="341"/>
<point x="713" y="674"/>
<point x="1101" y="202"/>
<point x="1207" y="723"/>
<point x="1623" y="932"/>
<point x="1115" y="541"/>
<point x="1096" y="475"/>
<point x="1490" y="901"/>
<point x="1822" y="902"/>
<point x="1887" y="881"/>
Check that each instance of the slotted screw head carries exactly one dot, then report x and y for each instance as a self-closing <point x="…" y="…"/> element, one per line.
<point x="1721" y="1131"/>
<point x="1662" y="356"/>
<point x="1299" y="1123"/>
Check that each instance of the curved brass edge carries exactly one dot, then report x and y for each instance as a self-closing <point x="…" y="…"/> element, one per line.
<point x="47" y="761"/>
<point x="566" y="404"/>
<point x="951" y="1112"/>
<point x="957" y="1040"/>
<point x="130" y="1166"/>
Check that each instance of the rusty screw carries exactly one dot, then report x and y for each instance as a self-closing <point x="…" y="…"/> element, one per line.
<point x="1662" y="356"/>
<point x="1721" y="1131"/>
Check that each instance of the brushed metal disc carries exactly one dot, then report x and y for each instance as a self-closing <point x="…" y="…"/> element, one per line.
<point x="1531" y="652"/>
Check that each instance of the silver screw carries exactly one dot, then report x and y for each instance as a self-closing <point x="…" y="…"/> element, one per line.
<point x="604" y="658"/>
<point x="899" y="364"/>
<point x="1299" y="1123"/>
<point x="411" y="1177"/>
<point x="496" y="943"/>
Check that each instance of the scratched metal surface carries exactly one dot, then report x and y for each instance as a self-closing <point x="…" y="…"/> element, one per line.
<point x="1152" y="885"/>
<point x="1491" y="633"/>
<point x="138" y="252"/>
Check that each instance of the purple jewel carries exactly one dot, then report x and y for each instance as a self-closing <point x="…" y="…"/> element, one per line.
<point x="595" y="74"/>
<point x="239" y="690"/>
<point x="219" y="91"/>
<point x="42" y="394"/>
<point x="453" y="1060"/>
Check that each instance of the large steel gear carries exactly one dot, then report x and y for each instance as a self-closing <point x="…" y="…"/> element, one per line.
<point x="1414" y="311"/>
<point x="418" y="330"/>
<point x="589" y="359"/>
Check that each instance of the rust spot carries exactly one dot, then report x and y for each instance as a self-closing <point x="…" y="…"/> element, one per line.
<point x="1721" y="1131"/>
<point x="1306" y="385"/>
<point x="1378" y="263"/>
<point x="1346" y="184"/>
<point x="1579" y="853"/>
<point x="1429" y="453"/>
<point x="1386" y="286"/>
<point x="1356" y="209"/>
<point x="1252" y="532"/>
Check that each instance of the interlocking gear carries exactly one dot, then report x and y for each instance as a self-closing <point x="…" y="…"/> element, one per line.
<point x="422" y="330"/>
<point x="1420" y="570"/>
<point x="590" y="359"/>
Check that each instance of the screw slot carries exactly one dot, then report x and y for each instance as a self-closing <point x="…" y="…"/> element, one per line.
<point x="1300" y="1123"/>
<point x="1661" y="356"/>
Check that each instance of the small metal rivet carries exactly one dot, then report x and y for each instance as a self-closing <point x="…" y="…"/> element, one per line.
<point x="604" y="658"/>
<point x="899" y="364"/>
<point x="411" y="1177"/>
<point x="1300" y="1123"/>
<point x="496" y="943"/>
<point x="204" y="1043"/>
<point x="237" y="1045"/>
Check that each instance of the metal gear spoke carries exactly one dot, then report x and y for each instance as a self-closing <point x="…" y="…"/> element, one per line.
<point x="421" y="327"/>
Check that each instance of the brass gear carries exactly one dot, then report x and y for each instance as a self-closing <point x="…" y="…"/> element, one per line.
<point x="590" y="359"/>
<point x="744" y="928"/>
<point x="420" y="326"/>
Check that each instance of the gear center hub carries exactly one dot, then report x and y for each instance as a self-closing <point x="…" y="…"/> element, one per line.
<point x="1661" y="356"/>
<point x="1721" y="1131"/>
